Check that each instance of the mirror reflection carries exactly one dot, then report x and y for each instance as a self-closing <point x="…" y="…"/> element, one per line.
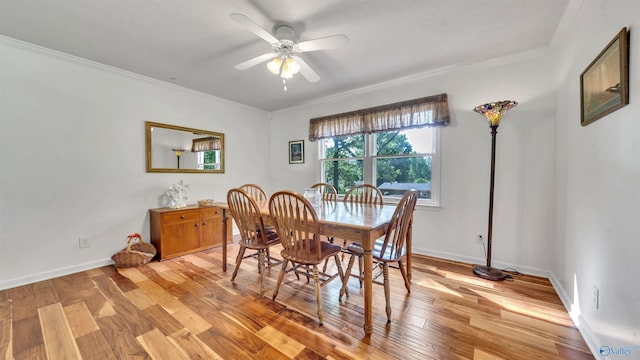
<point x="172" y="148"/>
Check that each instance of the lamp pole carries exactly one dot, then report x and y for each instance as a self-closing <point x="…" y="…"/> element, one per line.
<point x="494" y="132"/>
<point x="487" y="272"/>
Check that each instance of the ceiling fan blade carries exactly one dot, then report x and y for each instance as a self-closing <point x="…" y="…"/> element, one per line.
<point x="253" y="27"/>
<point x="306" y="70"/>
<point x="329" y="42"/>
<point x="255" y="61"/>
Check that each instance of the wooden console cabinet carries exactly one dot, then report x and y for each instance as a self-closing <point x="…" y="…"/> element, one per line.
<point x="176" y="232"/>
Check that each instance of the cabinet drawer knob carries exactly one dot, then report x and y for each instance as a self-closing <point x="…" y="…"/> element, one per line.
<point x="197" y="224"/>
<point x="181" y="216"/>
<point x="204" y="223"/>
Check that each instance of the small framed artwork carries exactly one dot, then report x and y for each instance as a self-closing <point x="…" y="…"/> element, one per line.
<point x="296" y="152"/>
<point x="604" y="84"/>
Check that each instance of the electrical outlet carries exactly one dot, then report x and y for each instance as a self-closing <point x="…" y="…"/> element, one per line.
<point x="83" y="242"/>
<point x="596" y="297"/>
<point x="479" y="239"/>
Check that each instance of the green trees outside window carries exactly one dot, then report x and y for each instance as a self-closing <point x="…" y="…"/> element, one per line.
<point x="395" y="161"/>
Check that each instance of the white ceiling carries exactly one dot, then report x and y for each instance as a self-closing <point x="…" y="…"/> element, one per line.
<point x="195" y="44"/>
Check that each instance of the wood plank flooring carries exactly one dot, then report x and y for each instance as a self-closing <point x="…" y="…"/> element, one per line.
<point x="187" y="308"/>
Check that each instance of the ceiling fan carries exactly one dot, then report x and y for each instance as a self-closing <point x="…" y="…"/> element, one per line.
<point x="284" y="59"/>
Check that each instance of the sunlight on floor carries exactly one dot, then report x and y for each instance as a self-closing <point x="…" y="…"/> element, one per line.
<point x="551" y="315"/>
<point x="431" y="284"/>
<point x="470" y="280"/>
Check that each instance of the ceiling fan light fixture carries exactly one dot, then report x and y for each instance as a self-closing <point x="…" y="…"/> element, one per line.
<point x="285" y="68"/>
<point x="290" y="67"/>
<point x="274" y="65"/>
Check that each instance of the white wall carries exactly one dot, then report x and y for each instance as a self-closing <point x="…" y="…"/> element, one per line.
<point x="72" y="155"/>
<point x="598" y="182"/>
<point x="524" y="177"/>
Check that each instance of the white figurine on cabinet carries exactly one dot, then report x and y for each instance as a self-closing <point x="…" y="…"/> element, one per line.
<point x="178" y="195"/>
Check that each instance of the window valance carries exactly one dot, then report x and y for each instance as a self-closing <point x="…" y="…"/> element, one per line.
<point x="426" y="111"/>
<point x="206" y="144"/>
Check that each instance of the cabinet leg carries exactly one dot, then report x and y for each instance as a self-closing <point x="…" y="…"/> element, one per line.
<point x="224" y="240"/>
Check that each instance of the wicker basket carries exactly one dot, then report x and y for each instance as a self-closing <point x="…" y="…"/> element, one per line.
<point x="135" y="254"/>
<point x="205" y="202"/>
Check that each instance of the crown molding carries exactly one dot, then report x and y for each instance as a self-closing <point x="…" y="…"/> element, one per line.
<point x="470" y="66"/>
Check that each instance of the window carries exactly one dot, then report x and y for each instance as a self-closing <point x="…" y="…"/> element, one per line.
<point x="392" y="146"/>
<point x="209" y="160"/>
<point x="394" y="161"/>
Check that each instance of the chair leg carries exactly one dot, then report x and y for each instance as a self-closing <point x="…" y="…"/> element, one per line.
<point x="280" y="276"/>
<point x="326" y="262"/>
<point x="339" y="265"/>
<point x="403" y="271"/>
<point x="261" y="260"/>
<point x="268" y="258"/>
<point x="344" y="246"/>
<point x="238" y="261"/>
<point x="361" y="269"/>
<point x="316" y="281"/>
<point x="387" y="291"/>
<point x="345" y="281"/>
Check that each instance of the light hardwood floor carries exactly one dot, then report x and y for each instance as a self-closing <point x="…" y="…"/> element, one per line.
<point x="187" y="308"/>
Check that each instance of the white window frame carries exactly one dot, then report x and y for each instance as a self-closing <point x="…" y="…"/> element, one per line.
<point x="369" y="167"/>
<point x="200" y="160"/>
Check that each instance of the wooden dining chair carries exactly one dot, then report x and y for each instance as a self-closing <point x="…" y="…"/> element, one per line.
<point x="388" y="249"/>
<point x="364" y="194"/>
<point x="328" y="191"/>
<point x="253" y="234"/>
<point x="297" y="226"/>
<point x="256" y="193"/>
<point x="260" y="196"/>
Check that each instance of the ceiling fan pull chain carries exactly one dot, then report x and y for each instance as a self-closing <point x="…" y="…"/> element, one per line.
<point x="284" y="82"/>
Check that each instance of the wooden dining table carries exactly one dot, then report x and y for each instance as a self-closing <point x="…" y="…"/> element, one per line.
<point x="351" y="222"/>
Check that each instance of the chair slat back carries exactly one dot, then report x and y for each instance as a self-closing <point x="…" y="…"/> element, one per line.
<point x="328" y="191"/>
<point x="393" y="247"/>
<point x="296" y="223"/>
<point x="246" y="213"/>
<point x="256" y="193"/>
<point x="364" y="194"/>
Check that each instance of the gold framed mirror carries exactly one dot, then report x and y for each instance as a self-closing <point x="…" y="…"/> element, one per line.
<point x="178" y="149"/>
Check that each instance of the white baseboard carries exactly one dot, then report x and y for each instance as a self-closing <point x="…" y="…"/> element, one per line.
<point x="589" y="337"/>
<point x="8" y="284"/>
<point x="472" y="260"/>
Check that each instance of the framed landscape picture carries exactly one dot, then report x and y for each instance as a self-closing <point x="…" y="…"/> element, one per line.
<point x="296" y="152"/>
<point x="604" y="84"/>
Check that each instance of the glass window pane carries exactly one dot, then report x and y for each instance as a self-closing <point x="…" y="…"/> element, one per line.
<point x="208" y="160"/>
<point x="411" y="141"/>
<point x="343" y="174"/>
<point x="396" y="175"/>
<point x="343" y="147"/>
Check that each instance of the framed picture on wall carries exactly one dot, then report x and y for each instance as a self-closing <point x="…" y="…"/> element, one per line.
<point x="296" y="152"/>
<point x="604" y="84"/>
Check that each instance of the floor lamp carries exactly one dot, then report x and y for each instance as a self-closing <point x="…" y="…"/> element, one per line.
<point x="178" y="154"/>
<point x="493" y="112"/>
